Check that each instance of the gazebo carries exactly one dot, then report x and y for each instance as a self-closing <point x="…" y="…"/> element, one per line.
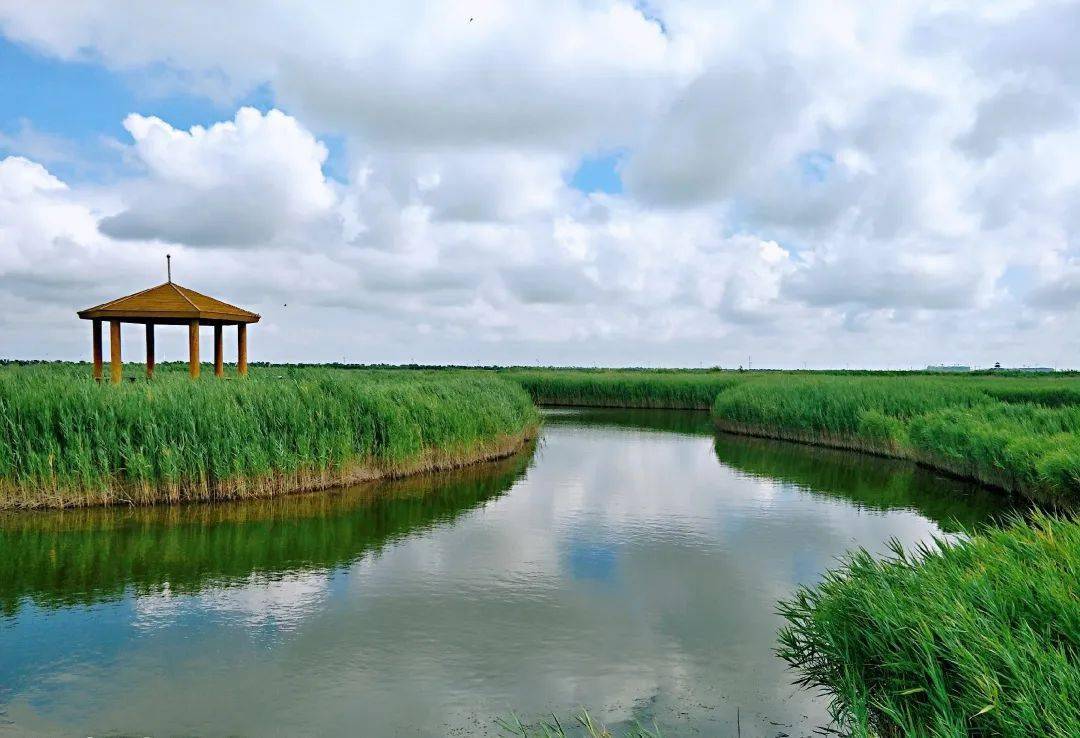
<point x="169" y="304"/>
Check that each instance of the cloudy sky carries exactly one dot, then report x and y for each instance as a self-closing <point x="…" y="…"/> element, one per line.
<point x="794" y="184"/>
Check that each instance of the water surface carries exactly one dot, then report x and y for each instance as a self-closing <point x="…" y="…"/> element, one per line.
<point x="630" y="563"/>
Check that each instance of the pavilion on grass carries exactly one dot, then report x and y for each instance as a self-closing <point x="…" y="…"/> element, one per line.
<point x="169" y="304"/>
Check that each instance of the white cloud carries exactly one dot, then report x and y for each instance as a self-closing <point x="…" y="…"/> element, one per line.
<point x="406" y="72"/>
<point x="806" y="182"/>
<point x="38" y="220"/>
<point x="488" y="184"/>
<point x="239" y="183"/>
<point x="725" y="125"/>
<point x="1016" y="113"/>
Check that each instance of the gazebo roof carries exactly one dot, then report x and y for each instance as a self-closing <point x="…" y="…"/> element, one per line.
<point x="169" y="303"/>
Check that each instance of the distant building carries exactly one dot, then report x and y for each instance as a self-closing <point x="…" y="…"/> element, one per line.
<point x="1028" y="369"/>
<point x="948" y="368"/>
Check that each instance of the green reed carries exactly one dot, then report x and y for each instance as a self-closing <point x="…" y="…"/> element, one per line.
<point x="975" y="638"/>
<point x="659" y="389"/>
<point x="993" y="430"/>
<point x="1018" y="433"/>
<point x="582" y="724"/>
<point x="65" y="439"/>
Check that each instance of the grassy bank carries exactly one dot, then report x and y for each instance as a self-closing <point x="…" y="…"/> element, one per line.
<point x="82" y="556"/>
<point x="978" y="638"/>
<point x="998" y="432"/>
<point x="656" y="389"/>
<point x="68" y="441"/>
<point x="1017" y="433"/>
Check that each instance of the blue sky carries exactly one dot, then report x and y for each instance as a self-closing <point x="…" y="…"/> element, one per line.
<point x="599" y="173"/>
<point x="82" y="105"/>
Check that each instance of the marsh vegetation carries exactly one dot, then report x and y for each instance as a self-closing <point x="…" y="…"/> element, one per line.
<point x="630" y="566"/>
<point x="967" y="637"/>
<point x="975" y="637"/>
<point x="1020" y="434"/>
<point x="66" y="440"/>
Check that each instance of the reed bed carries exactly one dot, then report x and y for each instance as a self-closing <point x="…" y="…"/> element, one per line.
<point x="1017" y="433"/>
<point x="68" y="441"/>
<point x="961" y="426"/>
<point x="979" y="637"/>
<point x="630" y="388"/>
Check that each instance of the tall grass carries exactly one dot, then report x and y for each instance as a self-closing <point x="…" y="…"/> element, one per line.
<point x="975" y="638"/>
<point x="66" y="440"/>
<point x="961" y="426"/>
<point x="657" y="389"/>
<point x="1018" y="433"/>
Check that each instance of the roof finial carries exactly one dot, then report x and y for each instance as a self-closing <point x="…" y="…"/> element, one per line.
<point x="168" y="266"/>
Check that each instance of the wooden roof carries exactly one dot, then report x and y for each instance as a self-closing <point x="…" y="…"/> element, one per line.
<point x="169" y="303"/>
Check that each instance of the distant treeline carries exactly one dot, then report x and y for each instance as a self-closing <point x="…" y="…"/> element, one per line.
<point x="594" y="369"/>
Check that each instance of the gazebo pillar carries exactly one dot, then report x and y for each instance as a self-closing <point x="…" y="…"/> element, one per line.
<point x="96" y="333"/>
<point x="219" y="356"/>
<point x="149" y="350"/>
<point x="116" y="368"/>
<point x="169" y="304"/>
<point x="241" y="349"/>
<point x="193" y="349"/>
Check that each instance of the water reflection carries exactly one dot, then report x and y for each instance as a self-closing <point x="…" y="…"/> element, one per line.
<point x="69" y="557"/>
<point x="684" y="422"/>
<point x="631" y="565"/>
<point x="867" y="481"/>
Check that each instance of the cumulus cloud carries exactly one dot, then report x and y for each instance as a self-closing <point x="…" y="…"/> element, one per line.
<point x="39" y="219"/>
<point x="237" y="183"/>
<point x="1013" y="114"/>
<point x="489" y="184"/>
<point x="726" y="124"/>
<point x="913" y="279"/>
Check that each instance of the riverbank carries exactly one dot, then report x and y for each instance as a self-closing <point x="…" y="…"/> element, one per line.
<point x="960" y="426"/>
<point x="980" y="637"/>
<point x="70" y="442"/>
<point x="655" y="389"/>
<point x="1020" y="434"/>
<point x="89" y="555"/>
<point x="404" y="419"/>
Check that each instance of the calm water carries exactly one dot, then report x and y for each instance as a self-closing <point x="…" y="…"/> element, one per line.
<point x="630" y="563"/>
